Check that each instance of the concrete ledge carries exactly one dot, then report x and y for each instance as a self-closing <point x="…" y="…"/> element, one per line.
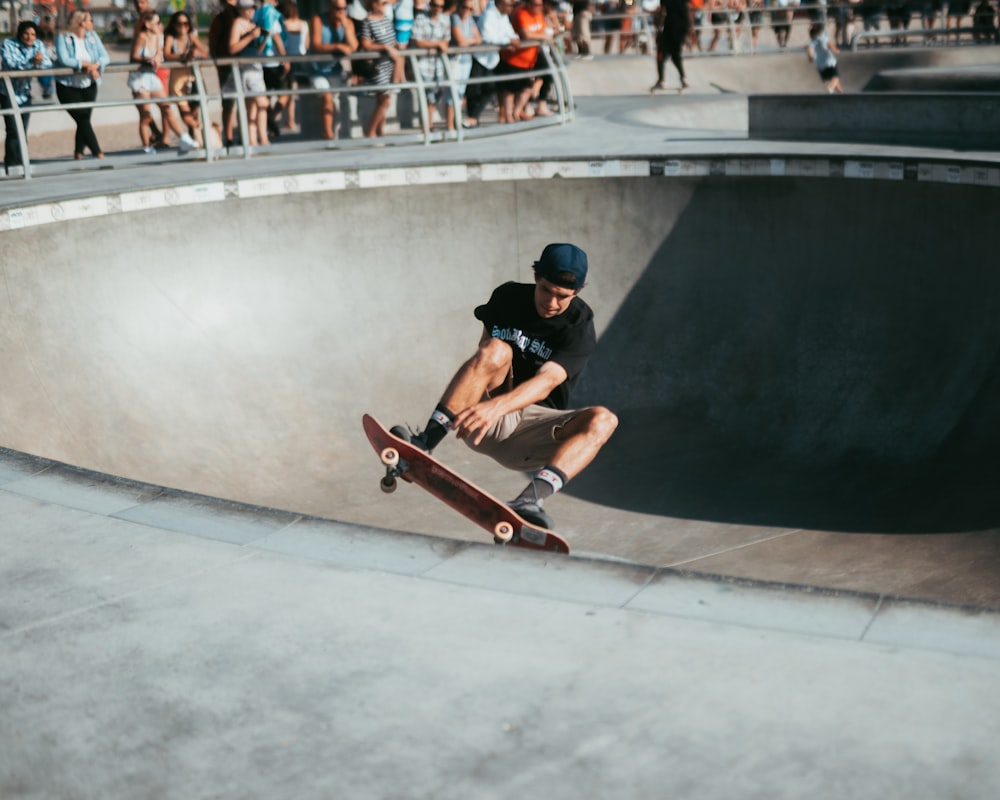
<point x="963" y="122"/>
<point x="983" y="78"/>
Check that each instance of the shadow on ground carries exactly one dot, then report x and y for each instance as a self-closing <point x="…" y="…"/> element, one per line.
<point x="764" y="378"/>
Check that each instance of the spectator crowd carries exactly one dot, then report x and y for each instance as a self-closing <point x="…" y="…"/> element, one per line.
<point x="291" y="50"/>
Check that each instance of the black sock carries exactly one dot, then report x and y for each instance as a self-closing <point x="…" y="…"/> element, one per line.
<point x="546" y="483"/>
<point x="438" y="426"/>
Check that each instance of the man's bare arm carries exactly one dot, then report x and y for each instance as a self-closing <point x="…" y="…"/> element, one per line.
<point x="477" y="419"/>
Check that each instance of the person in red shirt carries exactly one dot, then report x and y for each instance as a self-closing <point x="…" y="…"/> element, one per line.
<point x="530" y="24"/>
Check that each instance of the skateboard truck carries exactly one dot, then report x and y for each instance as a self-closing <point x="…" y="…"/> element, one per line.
<point x="395" y="467"/>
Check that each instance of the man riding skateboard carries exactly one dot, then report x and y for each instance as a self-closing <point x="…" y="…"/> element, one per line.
<point x="510" y="401"/>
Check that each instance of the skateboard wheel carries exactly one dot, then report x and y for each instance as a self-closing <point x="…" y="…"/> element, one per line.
<point x="388" y="484"/>
<point x="503" y="531"/>
<point x="390" y="456"/>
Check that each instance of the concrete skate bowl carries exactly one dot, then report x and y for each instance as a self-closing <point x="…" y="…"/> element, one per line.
<point x="796" y="351"/>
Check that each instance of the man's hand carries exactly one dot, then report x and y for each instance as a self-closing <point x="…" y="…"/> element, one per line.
<point x="476" y="420"/>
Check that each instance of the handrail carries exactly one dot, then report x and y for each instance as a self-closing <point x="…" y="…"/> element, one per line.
<point x="915" y="33"/>
<point x="801" y="14"/>
<point x="551" y="64"/>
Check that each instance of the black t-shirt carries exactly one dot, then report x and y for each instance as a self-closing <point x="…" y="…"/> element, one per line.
<point x="567" y="339"/>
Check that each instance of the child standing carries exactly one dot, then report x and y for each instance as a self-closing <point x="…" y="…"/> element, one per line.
<point x="824" y="54"/>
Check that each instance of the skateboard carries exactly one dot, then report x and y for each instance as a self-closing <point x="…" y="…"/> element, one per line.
<point x="402" y="460"/>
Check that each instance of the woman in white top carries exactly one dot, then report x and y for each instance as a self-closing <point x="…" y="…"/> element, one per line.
<point x="147" y="52"/>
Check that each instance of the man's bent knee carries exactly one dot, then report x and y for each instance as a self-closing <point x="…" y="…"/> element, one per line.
<point x="602" y="423"/>
<point x="596" y="422"/>
<point x="494" y="355"/>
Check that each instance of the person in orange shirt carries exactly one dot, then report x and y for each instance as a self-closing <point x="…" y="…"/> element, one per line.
<point x="530" y="24"/>
<point x="696" y="12"/>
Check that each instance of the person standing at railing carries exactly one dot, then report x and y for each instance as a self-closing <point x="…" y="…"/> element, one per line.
<point x="530" y="25"/>
<point x="494" y="28"/>
<point x="583" y="16"/>
<point x="610" y="24"/>
<point x="899" y="15"/>
<point x="871" y="15"/>
<point x="297" y="40"/>
<point x="402" y="20"/>
<point x="23" y="52"/>
<point x="671" y="20"/>
<point x="181" y="45"/>
<point x="270" y="21"/>
<point x="696" y="14"/>
<point x="81" y="50"/>
<point x="378" y="34"/>
<point x="721" y="18"/>
<point x="984" y="21"/>
<point x="47" y="36"/>
<point x="141" y="7"/>
<point x="464" y="33"/>
<point x="432" y="31"/>
<point x="930" y="11"/>
<point x="627" y="39"/>
<point x="333" y="36"/>
<point x="246" y="39"/>
<point x="843" y="18"/>
<point x="755" y="18"/>
<point x="958" y="10"/>
<point x="144" y="83"/>
<point x="781" y="21"/>
<point x="218" y="47"/>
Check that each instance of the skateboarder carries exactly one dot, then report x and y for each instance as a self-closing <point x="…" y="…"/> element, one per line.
<point x="510" y="401"/>
<point x="823" y="53"/>
<point x="672" y="20"/>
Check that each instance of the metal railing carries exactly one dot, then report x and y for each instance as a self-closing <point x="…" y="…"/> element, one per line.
<point x="740" y="20"/>
<point x="210" y="103"/>
<point x="928" y="35"/>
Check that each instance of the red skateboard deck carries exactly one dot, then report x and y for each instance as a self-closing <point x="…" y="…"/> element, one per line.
<point x="403" y="460"/>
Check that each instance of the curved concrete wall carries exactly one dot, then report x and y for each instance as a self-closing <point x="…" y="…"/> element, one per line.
<point x="226" y="338"/>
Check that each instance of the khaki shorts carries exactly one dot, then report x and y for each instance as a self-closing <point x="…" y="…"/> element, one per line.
<point x="524" y="440"/>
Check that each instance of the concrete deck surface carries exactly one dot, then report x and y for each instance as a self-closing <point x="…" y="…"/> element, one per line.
<point x="750" y="611"/>
<point x="169" y="646"/>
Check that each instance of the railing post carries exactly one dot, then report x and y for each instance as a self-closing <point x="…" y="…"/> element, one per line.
<point x="206" y="121"/>
<point x="241" y="110"/>
<point x="418" y="78"/>
<point x="456" y="101"/>
<point x="22" y="137"/>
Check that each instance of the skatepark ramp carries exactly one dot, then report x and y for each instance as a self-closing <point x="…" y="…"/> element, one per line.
<point x="791" y="349"/>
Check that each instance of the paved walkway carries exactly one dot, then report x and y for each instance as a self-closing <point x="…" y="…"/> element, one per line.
<point x="160" y="645"/>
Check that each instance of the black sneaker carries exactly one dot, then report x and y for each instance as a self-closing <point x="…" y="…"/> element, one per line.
<point x="416" y="438"/>
<point x="531" y="511"/>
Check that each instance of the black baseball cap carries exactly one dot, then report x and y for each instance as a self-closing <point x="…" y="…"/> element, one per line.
<point x="564" y="265"/>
